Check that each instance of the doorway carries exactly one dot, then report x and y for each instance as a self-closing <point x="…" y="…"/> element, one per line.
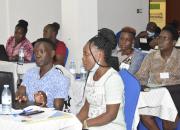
<point x="173" y="11"/>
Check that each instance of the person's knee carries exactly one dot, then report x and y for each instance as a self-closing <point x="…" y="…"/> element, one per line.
<point x="149" y="122"/>
<point x="167" y="125"/>
<point x="145" y="118"/>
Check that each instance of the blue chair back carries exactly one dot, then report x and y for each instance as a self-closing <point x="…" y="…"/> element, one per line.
<point x="67" y="53"/>
<point x="132" y="90"/>
<point x="33" y="57"/>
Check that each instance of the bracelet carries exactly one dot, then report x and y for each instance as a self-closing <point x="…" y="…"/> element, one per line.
<point x="85" y="126"/>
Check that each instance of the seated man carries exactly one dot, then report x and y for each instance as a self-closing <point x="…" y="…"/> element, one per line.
<point x="159" y="68"/>
<point x="145" y="37"/>
<point x="154" y="42"/>
<point x="46" y="78"/>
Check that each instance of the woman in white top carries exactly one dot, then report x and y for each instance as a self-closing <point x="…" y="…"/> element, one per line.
<point x="104" y="91"/>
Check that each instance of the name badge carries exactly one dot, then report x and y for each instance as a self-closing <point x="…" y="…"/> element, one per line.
<point x="143" y="40"/>
<point x="124" y="66"/>
<point x="164" y="75"/>
<point x="156" y="47"/>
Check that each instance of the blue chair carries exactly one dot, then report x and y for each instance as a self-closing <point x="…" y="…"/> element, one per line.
<point x="33" y="57"/>
<point x="117" y="37"/>
<point x="132" y="90"/>
<point x="67" y="53"/>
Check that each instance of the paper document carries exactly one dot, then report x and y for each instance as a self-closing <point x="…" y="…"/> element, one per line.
<point x="48" y="113"/>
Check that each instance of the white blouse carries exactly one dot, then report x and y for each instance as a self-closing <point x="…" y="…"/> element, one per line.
<point x="109" y="89"/>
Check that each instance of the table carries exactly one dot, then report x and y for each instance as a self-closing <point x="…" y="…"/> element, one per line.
<point x="65" y="122"/>
<point x="156" y="102"/>
<point x="59" y="121"/>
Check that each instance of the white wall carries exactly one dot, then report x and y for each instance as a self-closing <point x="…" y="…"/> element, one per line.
<point x="116" y="14"/>
<point x="3" y="22"/>
<point x="38" y="13"/>
<point x="79" y="24"/>
<point x="79" y="19"/>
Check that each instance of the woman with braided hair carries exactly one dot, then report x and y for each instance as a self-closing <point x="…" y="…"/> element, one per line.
<point x="104" y="90"/>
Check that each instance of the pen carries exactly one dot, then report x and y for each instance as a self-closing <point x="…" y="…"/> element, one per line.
<point x="25" y="111"/>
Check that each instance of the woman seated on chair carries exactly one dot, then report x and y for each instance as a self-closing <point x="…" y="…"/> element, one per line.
<point x="104" y="91"/>
<point x="19" y="40"/>
<point x="129" y="58"/>
<point x="161" y="68"/>
<point x="50" y="31"/>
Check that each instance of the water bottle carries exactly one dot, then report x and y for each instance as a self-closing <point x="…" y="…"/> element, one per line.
<point x="21" y="56"/>
<point x="72" y="68"/>
<point x="83" y="73"/>
<point x="6" y="100"/>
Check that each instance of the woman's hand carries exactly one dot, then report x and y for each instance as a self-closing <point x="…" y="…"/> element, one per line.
<point x="21" y="95"/>
<point x="40" y="99"/>
<point x="21" y="98"/>
<point x="14" y="58"/>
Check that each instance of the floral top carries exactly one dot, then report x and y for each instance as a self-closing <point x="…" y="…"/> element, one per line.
<point x="13" y="50"/>
<point x="53" y="83"/>
<point x="156" y="71"/>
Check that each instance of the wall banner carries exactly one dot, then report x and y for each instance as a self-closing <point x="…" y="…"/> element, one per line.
<point x="158" y="12"/>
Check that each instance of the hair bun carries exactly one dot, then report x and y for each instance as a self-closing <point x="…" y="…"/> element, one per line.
<point x="108" y="35"/>
<point x="56" y="25"/>
<point x="23" y="23"/>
